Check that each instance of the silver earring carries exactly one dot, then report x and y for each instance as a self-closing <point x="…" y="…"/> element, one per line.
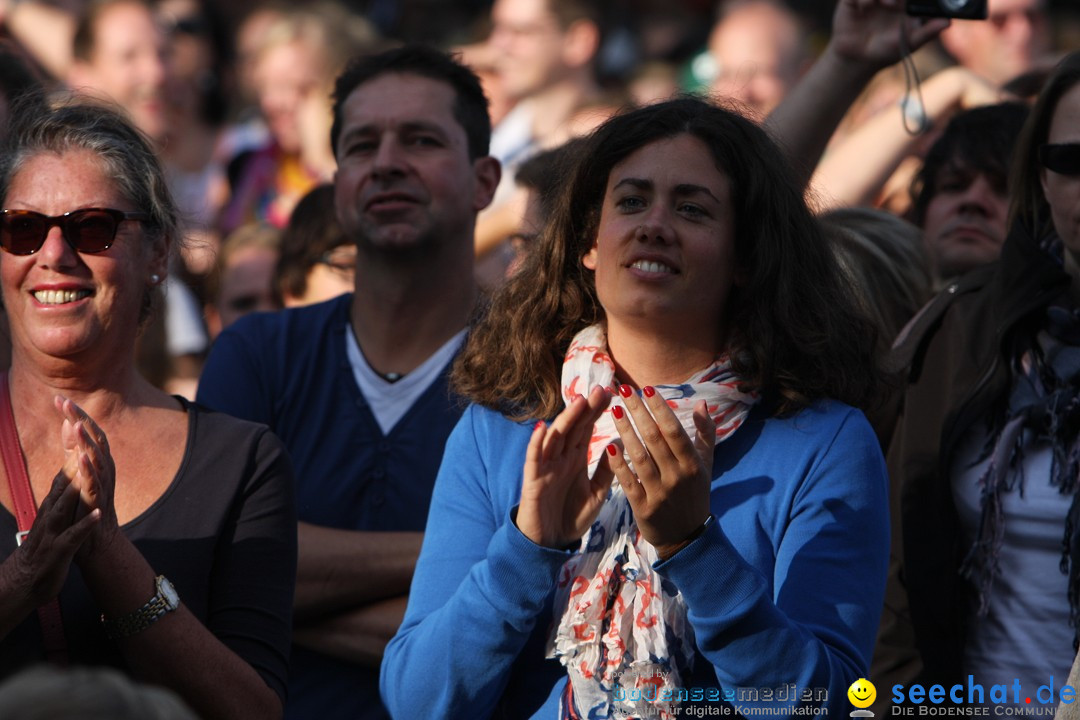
<point x="155" y="278"/>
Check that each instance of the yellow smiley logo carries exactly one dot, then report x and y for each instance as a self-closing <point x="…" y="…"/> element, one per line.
<point x="862" y="693"/>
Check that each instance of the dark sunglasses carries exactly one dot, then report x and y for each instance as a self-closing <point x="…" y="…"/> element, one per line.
<point x="23" y="232"/>
<point x="1063" y="159"/>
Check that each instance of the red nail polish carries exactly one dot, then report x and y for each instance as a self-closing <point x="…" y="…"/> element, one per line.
<point x="626" y="390"/>
<point x="612" y="450"/>
<point x="649" y="390"/>
<point x="617" y="411"/>
<point x="538" y="424"/>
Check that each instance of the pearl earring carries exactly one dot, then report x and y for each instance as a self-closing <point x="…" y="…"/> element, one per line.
<point x="155" y="278"/>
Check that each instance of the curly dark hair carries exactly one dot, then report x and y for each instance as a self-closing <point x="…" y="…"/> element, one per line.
<point x="795" y="330"/>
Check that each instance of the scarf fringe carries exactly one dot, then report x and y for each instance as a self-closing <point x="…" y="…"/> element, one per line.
<point x="1052" y="414"/>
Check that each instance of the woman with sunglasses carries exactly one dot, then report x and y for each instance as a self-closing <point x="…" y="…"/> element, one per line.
<point x="656" y="506"/>
<point x="986" y="455"/>
<point x="137" y="530"/>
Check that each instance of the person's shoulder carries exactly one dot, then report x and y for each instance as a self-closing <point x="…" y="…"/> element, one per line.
<point x="489" y="422"/>
<point x="221" y="427"/>
<point x="967" y="290"/>
<point x="822" y="419"/>
<point x="489" y="431"/>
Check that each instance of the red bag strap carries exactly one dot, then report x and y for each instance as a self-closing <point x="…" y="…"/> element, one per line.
<point x="22" y="497"/>
<point x="15" y="464"/>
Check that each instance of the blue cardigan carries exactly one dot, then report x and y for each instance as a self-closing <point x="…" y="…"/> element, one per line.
<point x="785" y="588"/>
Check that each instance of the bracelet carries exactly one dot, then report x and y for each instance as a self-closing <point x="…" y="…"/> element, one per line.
<point x="690" y="538"/>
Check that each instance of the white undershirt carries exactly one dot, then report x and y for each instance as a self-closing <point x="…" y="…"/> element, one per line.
<point x="389" y="401"/>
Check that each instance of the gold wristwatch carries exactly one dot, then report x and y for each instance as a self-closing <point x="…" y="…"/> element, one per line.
<point x="165" y="600"/>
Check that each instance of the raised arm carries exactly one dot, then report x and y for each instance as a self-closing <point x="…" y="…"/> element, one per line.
<point x="866" y="37"/>
<point x="854" y="170"/>
<point x="481" y="585"/>
<point x="814" y="620"/>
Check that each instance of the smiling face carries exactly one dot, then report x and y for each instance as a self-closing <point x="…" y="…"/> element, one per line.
<point x="862" y="693"/>
<point x="97" y="308"/>
<point x="664" y="254"/>
<point x="1063" y="191"/>
<point x="405" y="180"/>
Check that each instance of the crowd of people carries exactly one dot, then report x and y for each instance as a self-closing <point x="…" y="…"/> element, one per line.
<point x="560" y="373"/>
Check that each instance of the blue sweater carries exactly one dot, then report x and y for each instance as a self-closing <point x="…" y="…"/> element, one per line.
<point x="786" y="587"/>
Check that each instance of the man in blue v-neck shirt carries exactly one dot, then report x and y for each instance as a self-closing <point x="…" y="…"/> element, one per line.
<point x="356" y="387"/>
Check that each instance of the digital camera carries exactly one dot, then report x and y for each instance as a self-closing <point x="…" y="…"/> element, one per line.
<point x="961" y="9"/>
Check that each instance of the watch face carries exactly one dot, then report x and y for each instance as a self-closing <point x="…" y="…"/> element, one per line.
<point x="169" y="593"/>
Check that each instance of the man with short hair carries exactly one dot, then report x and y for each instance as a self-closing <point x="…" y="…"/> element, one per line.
<point x="356" y="386"/>
<point x="545" y="53"/>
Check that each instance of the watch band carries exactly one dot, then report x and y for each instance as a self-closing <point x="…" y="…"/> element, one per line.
<point x="165" y="600"/>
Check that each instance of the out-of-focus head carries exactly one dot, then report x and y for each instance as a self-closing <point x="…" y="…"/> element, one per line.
<point x="86" y="283"/>
<point x="199" y="53"/>
<point x="300" y="55"/>
<point x="654" y="82"/>
<point x="243" y="279"/>
<point x="543" y="42"/>
<point x="250" y="36"/>
<point x="317" y="261"/>
<point x="760" y="50"/>
<point x="121" y="54"/>
<point x="1003" y="46"/>
<point x="960" y="195"/>
<point x="541" y="176"/>
<point x="1046" y="172"/>
<point x="50" y="693"/>
<point x="886" y="261"/>
<point x="483" y="60"/>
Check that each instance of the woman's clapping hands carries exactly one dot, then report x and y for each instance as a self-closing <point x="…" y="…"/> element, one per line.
<point x="92" y="472"/>
<point x="558" y="500"/>
<point x="669" y="485"/>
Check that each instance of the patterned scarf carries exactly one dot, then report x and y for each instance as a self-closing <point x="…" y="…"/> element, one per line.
<point x="623" y="635"/>
<point x="1045" y="402"/>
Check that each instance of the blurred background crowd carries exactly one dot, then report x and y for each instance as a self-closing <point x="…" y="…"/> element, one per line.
<point x="236" y="97"/>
